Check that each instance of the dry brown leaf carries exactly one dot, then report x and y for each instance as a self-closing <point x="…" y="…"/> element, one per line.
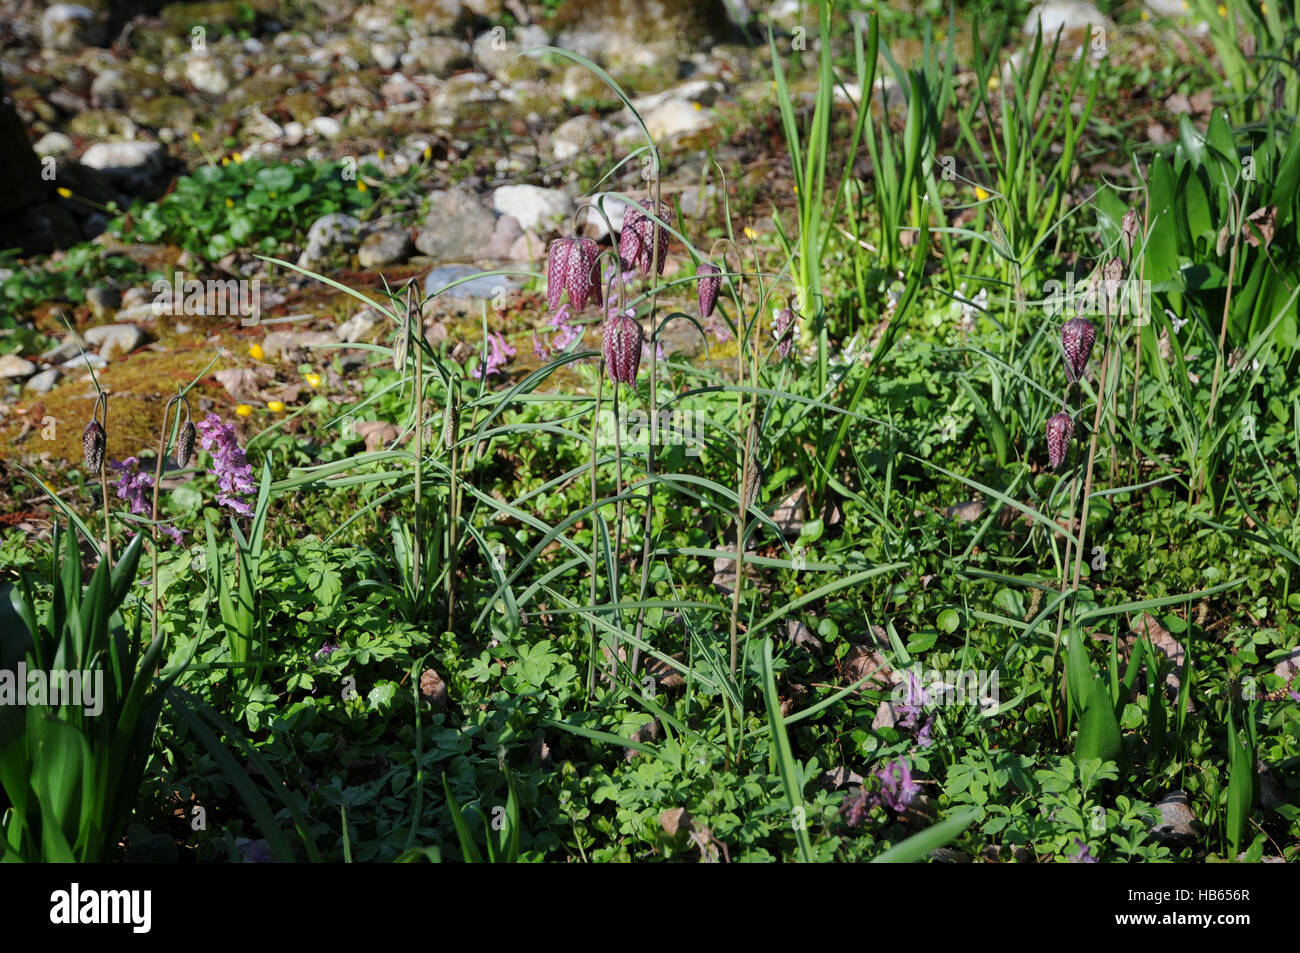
<point x="1260" y="225"/>
<point x="243" y="383"/>
<point x="376" y="433"/>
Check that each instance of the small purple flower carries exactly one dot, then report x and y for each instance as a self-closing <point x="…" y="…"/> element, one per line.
<point x="133" y="484"/>
<point x="1077" y="337"/>
<point x="643" y="242"/>
<point x="564" y="334"/>
<point x="923" y="736"/>
<point x="499" y="354"/>
<point x="897" y="789"/>
<point x="1294" y="695"/>
<point x="709" y="283"/>
<point x="571" y="266"/>
<point x="785" y="331"/>
<point x="233" y="472"/>
<point x="623" y="338"/>
<point x="915" y="701"/>
<point x="1060" y="430"/>
<point x="718" y="329"/>
<point x="325" y="651"/>
<point x="1084" y="854"/>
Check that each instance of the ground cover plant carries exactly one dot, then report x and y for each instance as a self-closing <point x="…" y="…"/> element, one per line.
<point x="933" y="496"/>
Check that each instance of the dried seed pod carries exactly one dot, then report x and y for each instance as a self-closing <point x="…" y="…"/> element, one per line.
<point x="709" y="283"/>
<point x="1077" y="337"/>
<point x="1128" y="230"/>
<point x="1060" y="430"/>
<point x="753" y="480"/>
<point x="185" y="444"/>
<point x="451" y="427"/>
<point x="92" y="446"/>
<point x="623" y="340"/>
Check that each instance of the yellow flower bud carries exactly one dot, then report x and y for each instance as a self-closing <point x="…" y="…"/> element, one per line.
<point x="243" y="410"/>
<point x="256" y="351"/>
<point x="275" y="406"/>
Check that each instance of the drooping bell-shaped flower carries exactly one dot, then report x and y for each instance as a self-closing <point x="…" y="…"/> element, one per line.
<point x="571" y="266"/>
<point x="623" y="339"/>
<point x="641" y="234"/>
<point x="709" y="283"/>
<point x="1060" y="430"/>
<point x="1077" y="337"/>
<point x="185" y="444"/>
<point x="785" y="331"/>
<point x="92" y="446"/>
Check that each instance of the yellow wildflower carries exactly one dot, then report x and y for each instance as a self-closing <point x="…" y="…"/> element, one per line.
<point x="243" y="410"/>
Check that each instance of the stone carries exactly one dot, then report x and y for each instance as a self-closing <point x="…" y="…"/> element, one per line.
<point x="385" y="57"/>
<point x="497" y="52"/>
<point x="329" y="231"/>
<point x="84" y="361"/>
<point x="66" y="27"/>
<point x="457" y="227"/>
<point x="124" y="159"/>
<point x="283" y="343"/>
<point x="593" y="222"/>
<point x="532" y="207"/>
<point x="626" y="34"/>
<point x="389" y="246"/>
<point x="103" y="302"/>
<point x="361" y="327"/>
<point x="575" y="136"/>
<point x="54" y="144"/>
<point x="476" y="289"/>
<point x="1068" y="16"/>
<point x="43" y="382"/>
<point x="676" y="118"/>
<point x="206" y="74"/>
<point x="115" y="339"/>
<point x="13" y="367"/>
<point x="439" y="55"/>
<point x="504" y="236"/>
<point x="326" y="126"/>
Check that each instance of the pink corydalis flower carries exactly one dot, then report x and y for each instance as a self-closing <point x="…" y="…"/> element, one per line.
<point x="709" y="283"/>
<point x="785" y="319"/>
<point x="233" y="472"/>
<point x="644" y="242"/>
<point x="623" y="339"/>
<point x="1060" y="430"/>
<point x="571" y="267"/>
<point x="499" y="354"/>
<point x="132" y="483"/>
<point x="1077" y="338"/>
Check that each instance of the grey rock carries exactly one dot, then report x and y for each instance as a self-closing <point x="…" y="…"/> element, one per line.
<point x="115" y="339"/>
<point x="83" y="361"/>
<point x="532" y="207"/>
<point x="593" y="222"/>
<point x="575" y="136"/>
<point x="66" y="27"/>
<point x="439" y="55"/>
<point x="504" y="236"/>
<point x="325" y="126"/>
<point x="477" y="289"/>
<point x="102" y="301"/>
<point x="457" y="228"/>
<point x="337" y="229"/>
<point x="43" y="382"/>
<point x="1065" y="16"/>
<point x="124" y="158"/>
<point x="389" y="246"/>
<point x="362" y="326"/>
<point x="283" y="343"/>
<point x="1178" y="823"/>
<point x="13" y="367"/>
<point x="53" y="144"/>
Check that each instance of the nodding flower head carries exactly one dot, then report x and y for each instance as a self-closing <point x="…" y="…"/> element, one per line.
<point x="1060" y="430"/>
<point x="571" y="267"/>
<point x="185" y="444"/>
<point x="92" y="446"/>
<point x="785" y="320"/>
<point x="1077" y="337"/>
<point x="623" y="338"/>
<point x="709" y="283"/>
<point x="641" y="237"/>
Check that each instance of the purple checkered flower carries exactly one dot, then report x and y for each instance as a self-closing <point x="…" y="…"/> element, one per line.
<point x="233" y="472"/>
<point x="623" y="339"/>
<point x="785" y="331"/>
<point x="571" y="266"/>
<point x="1060" y="430"/>
<point x="642" y="237"/>
<point x="1077" y="337"/>
<point x="709" y="283"/>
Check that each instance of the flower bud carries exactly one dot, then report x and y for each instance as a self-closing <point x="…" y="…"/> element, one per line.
<point x="1077" y="337"/>
<point x="709" y="283"/>
<point x="1128" y="230"/>
<point x="623" y="339"/>
<point x="1060" y="430"/>
<point x="185" y="444"/>
<point x="92" y="446"/>
<point x="785" y="332"/>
